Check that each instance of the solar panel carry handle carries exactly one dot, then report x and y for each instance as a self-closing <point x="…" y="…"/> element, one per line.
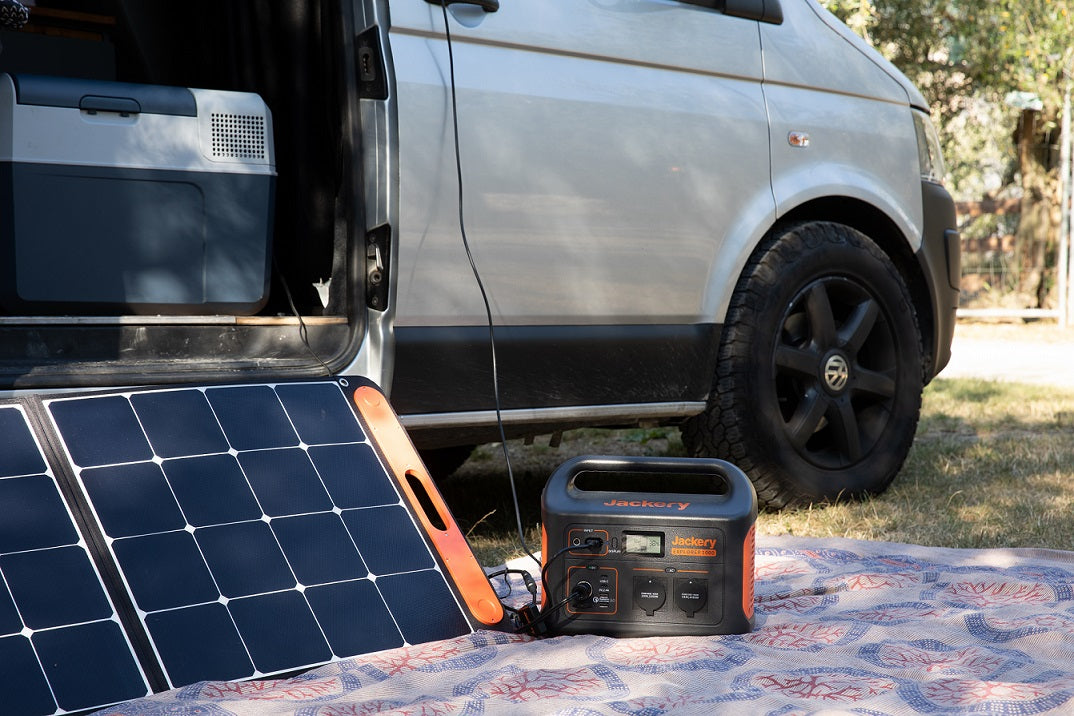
<point x="448" y="540"/>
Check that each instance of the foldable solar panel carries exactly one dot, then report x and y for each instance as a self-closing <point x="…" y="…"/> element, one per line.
<point x="243" y="531"/>
<point x="61" y="644"/>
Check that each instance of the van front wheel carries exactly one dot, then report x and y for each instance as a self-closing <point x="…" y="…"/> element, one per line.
<point x="819" y="378"/>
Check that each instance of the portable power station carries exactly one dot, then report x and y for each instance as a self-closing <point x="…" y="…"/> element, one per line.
<point x="636" y="546"/>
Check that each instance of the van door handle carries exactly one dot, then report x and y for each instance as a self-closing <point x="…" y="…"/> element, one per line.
<point x="486" y="5"/>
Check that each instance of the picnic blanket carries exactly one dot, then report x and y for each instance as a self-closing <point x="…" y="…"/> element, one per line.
<point x="842" y="626"/>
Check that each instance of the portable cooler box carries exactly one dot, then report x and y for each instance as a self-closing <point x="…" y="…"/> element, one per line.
<point x="129" y="198"/>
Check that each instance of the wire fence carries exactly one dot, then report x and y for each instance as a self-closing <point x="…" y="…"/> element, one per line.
<point x="1002" y="277"/>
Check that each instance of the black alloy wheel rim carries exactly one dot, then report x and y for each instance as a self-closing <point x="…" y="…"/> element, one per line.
<point x="834" y="372"/>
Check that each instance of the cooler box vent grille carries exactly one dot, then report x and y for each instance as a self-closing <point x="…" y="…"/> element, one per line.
<point x="238" y="136"/>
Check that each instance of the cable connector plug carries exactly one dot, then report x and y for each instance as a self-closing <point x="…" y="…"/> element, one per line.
<point x="532" y="622"/>
<point x="581" y="593"/>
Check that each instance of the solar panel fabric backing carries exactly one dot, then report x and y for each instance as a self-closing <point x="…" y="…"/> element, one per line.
<point x="62" y="647"/>
<point x="249" y="530"/>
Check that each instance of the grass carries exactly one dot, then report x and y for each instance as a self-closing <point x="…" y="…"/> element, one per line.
<point x="992" y="466"/>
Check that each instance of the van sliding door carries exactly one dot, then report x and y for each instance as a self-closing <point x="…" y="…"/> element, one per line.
<point x="608" y="150"/>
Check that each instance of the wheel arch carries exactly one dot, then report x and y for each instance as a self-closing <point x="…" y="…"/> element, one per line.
<point x="879" y="227"/>
<point x="869" y="220"/>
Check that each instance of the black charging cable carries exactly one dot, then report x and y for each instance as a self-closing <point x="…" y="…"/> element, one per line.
<point x="481" y="286"/>
<point x="530" y="618"/>
<point x="303" y="331"/>
<point x="534" y="620"/>
<point x="527" y="579"/>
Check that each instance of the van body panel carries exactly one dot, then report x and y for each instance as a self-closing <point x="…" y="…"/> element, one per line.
<point x="913" y="94"/>
<point x="628" y="234"/>
<point x="843" y="129"/>
<point x="806" y="51"/>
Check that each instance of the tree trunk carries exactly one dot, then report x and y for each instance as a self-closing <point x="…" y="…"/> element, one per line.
<point x="1036" y="234"/>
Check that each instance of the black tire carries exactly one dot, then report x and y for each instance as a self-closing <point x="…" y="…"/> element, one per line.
<point x="443" y="462"/>
<point x="819" y="377"/>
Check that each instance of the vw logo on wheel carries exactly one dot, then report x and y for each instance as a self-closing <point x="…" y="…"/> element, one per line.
<point x="836" y="372"/>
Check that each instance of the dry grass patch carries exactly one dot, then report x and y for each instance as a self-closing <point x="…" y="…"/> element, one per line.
<point x="992" y="466"/>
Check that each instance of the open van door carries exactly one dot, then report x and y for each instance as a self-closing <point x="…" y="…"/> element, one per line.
<point x="182" y="194"/>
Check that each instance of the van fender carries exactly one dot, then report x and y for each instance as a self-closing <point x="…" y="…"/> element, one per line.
<point x="754" y="220"/>
<point x="795" y="190"/>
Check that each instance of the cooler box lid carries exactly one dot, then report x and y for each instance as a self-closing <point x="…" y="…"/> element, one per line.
<point x="96" y="95"/>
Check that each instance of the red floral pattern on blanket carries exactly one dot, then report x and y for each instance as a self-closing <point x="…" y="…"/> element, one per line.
<point x="518" y="687"/>
<point x="824" y="686"/>
<point x="637" y="653"/>
<point x="998" y="593"/>
<point x="971" y="660"/>
<point x="844" y="626"/>
<point x="272" y="689"/>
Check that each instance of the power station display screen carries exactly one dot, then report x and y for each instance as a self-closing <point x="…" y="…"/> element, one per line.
<point x="649" y="543"/>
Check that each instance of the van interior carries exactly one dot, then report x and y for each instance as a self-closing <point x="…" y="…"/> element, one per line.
<point x="293" y="54"/>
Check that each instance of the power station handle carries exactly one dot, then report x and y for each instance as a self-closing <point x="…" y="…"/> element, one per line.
<point x="598" y="474"/>
<point x="486" y="5"/>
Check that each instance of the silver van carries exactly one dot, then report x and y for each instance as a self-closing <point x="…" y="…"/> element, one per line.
<point x="721" y="214"/>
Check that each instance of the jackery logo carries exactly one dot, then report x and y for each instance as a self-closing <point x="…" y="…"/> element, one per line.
<point x="650" y="504"/>
<point x="694" y="542"/>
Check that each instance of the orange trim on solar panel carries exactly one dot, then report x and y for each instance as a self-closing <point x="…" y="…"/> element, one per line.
<point x="446" y="537"/>
<point x="749" y="551"/>
<point x="544" y="555"/>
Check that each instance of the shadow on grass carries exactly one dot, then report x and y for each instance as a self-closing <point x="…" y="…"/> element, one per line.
<point x="992" y="466"/>
<point x="479" y="493"/>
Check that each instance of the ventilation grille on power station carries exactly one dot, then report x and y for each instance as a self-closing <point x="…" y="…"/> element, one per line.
<point x="238" y="136"/>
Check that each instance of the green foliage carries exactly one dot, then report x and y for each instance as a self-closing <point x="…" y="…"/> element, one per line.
<point x="1025" y="46"/>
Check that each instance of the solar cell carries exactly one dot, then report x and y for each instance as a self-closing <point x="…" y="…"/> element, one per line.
<point x="61" y="644"/>
<point x="133" y="499"/>
<point x="54" y="587"/>
<point x="22" y="677"/>
<point x="179" y="422"/>
<point x="34" y="515"/>
<point x="280" y="631"/>
<point x="384" y="540"/>
<point x="420" y="603"/>
<point x="318" y="414"/>
<point x="88" y="665"/>
<point x="108" y="434"/>
<point x="211" y="490"/>
<point x="337" y="465"/>
<point x="252" y="417"/>
<point x="255" y="527"/>
<point x="199" y="643"/>
<point x="318" y="548"/>
<point x="354" y="616"/>
<point x="20" y="455"/>
<point x="285" y="482"/>
<point x="165" y="570"/>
